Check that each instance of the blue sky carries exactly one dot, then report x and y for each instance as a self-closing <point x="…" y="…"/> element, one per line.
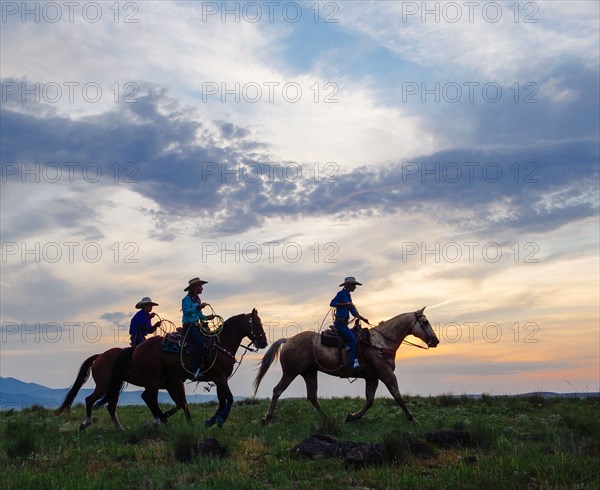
<point x="448" y="164"/>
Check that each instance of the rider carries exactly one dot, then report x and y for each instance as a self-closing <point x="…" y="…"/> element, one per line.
<point x="343" y="307"/>
<point x="140" y="325"/>
<point x="192" y="317"/>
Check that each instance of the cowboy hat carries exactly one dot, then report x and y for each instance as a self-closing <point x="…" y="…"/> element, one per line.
<point x="193" y="282"/>
<point x="351" y="280"/>
<point x="145" y="301"/>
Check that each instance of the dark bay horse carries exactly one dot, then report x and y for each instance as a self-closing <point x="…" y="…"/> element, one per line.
<point x="100" y="366"/>
<point x="154" y="369"/>
<point x="304" y="355"/>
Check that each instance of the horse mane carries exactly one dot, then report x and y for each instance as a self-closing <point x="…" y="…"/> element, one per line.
<point x="394" y="318"/>
<point x="234" y="318"/>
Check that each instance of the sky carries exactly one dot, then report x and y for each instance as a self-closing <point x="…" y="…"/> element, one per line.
<point x="446" y="154"/>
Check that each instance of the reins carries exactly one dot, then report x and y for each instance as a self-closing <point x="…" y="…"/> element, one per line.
<point x="404" y="341"/>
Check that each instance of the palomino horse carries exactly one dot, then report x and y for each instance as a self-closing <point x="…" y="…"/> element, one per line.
<point x="156" y="369"/>
<point x="304" y="355"/>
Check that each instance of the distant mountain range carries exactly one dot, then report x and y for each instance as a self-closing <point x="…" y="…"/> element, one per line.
<point x="16" y="394"/>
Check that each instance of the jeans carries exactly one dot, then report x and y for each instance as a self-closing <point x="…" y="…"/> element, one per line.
<point x="193" y="334"/>
<point x="348" y="337"/>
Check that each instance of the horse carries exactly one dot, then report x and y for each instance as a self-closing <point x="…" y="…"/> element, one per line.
<point x="304" y="355"/>
<point x="156" y="369"/>
<point x="100" y="366"/>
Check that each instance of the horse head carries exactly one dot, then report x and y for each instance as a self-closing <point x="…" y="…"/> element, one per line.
<point x="255" y="330"/>
<point x="423" y="330"/>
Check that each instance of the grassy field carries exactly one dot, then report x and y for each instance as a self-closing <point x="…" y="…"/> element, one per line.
<point x="512" y="443"/>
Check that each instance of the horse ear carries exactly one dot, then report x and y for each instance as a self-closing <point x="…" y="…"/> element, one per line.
<point x="420" y="312"/>
<point x="254" y="312"/>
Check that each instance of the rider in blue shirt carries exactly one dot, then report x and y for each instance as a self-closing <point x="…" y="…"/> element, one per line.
<point x="141" y="325"/>
<point x="343" y="307"/>
<point x="191" y="306"/>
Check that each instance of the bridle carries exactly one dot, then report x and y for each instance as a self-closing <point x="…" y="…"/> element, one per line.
<point x="253" y="336"/>
<point x="404" y="341"/>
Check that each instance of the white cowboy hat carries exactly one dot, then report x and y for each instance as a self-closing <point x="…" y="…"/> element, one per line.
<point x="193" y="282"/>
<point x="145" y="301"/>
<point x="351" y="280"/>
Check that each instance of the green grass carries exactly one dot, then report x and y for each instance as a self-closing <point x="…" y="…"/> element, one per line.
<point x="514" y="443"/>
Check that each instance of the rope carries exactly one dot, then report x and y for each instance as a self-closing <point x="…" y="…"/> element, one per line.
<point x="317" y="341"/>
<point x="212" y="327"/>
<point x="162" y="321"/>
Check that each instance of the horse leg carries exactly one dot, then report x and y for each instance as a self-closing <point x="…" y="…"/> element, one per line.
<point x="310" y="378"/>
<point x="392" y="385"/>
<point x="89" y="404"/>
<point x="284" y="382"/>
<point x="177" y="393"/>
<point x="228" y="403"/>
<point x="112" y="410"/>
<point x="225" y="401"/>
<point x="150" y="396"/>
<point x="370" y="389"/>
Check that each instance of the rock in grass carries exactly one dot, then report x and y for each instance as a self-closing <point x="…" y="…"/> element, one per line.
<point x="367" y="454"/>
<point x="316" y="446"/>
<point x="212" y="447"/>
<point x="449" y="438"/>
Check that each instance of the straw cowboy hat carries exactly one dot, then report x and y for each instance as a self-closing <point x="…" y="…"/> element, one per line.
<point x="145" y="301"/>
<point x="193" y="282"/>
<point x="350" y="280"/>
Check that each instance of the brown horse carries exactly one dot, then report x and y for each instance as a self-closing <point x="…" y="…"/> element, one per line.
<point x="101" y="367"/>
<point x="304" y="355"/>
<point x="155" y="368"/>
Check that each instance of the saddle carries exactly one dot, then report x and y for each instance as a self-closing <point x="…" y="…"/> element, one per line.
<point x="176" y="341"/>
<point x="330" y="337"/>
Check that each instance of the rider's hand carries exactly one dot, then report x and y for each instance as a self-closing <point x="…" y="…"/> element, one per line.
<point x="152" y="315"/>
<point x="202" y="305"/>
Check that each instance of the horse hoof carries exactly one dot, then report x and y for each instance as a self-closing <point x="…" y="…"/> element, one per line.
<point x="220" y="422"/>
<point x="351" y="418"/>
<point x="209" y="423"/>
<point x="83" y="426"/>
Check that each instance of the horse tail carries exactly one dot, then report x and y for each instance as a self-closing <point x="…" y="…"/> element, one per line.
<point x="270" y="356"/>
<point x="82" y="377"/>
<point x="117" y="377"/>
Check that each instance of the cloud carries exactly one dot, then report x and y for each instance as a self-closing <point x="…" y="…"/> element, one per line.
<point x="518" y="44"/>
<point x="191" y="169"/>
